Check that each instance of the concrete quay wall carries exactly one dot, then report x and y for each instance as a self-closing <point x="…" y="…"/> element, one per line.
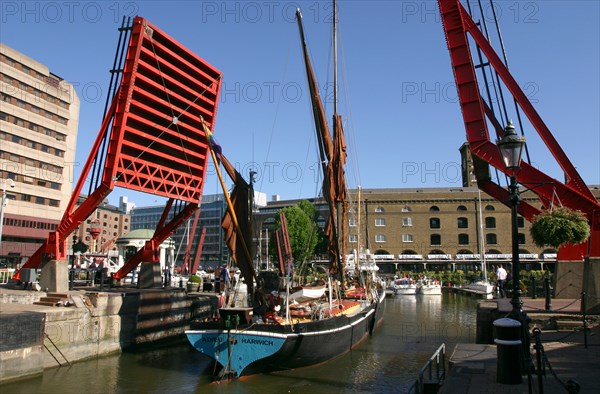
<point x="34" y="337"/>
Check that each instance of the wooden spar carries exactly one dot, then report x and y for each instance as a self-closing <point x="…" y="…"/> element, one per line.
<point x="225" y="193"/>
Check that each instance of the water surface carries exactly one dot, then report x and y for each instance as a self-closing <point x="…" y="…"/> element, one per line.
<point x="413" y="328"/>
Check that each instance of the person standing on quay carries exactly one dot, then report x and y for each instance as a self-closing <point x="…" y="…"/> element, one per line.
<point x="501" y="276"/>
<point x="225" y="278"/>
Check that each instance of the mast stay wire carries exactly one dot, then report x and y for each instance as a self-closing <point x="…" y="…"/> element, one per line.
<point x="275" y="118"/>
<point x="506" y="64"/>
<point x="113" y="87"/>
<point x="483" y="65"/>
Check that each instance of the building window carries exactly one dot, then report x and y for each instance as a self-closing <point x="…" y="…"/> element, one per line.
<point x="380" y="222"/>
<point x="521" y="237"/>
<point x="406" y="222"/>
<point x="353" y="238"/>
<point x="490" y="222"/>
<point x="491" y="239"/>
<point x="407" y="238"/>
<point x="520" y="222"/>
<point x="352" y="222"/>
<point x="463" y="239"/>
<point x="380" y="238"/>
<point x="462" y="222"/>
<point x="406" y="209"/>
<point x="435" y="223"/>
<point x="461" y="208"/>
<point x="379" y="209"/>
<point x="435" y="239"/>
<point x="434" y="208"/>
<point x="490" y="208"/>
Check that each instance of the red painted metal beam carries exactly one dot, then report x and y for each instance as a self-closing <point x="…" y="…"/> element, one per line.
<point x="149" y="252"/>
<point x="198" y="252"/>
<point x="156" y="142"/>
<point x="186" y="266"/>
<point x="574" y="194"/>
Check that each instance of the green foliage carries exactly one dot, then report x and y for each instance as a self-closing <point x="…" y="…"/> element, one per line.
<point x="195" y="279"/>
<point x="558" y="227"/>
<point x="455" y="278"/>
<point x="302" y="229"/>
<point x="80" y="247"/>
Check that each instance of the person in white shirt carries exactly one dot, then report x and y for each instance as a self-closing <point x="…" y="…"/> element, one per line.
<point x="501" y="276"/>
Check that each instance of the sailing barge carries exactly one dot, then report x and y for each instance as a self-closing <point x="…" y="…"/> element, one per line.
<point x="267" y="336"/>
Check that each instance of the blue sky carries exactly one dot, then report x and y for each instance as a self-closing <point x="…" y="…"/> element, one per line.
<point x="397" y="94"/>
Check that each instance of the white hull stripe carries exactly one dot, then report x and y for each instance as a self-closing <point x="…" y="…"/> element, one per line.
<point x="277" y="335"/>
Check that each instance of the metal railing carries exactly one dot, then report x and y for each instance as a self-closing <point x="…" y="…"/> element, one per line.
<point x="6" y="274"/>
<point x="432" y="373"/>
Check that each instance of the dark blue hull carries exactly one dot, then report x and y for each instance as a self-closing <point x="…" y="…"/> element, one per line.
<point x="263" y="348"/>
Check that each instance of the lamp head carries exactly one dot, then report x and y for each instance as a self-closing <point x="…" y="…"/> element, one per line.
<point x="511" y="147"/>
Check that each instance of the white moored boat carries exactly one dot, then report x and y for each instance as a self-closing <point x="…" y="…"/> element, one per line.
<point x="403" y="286"/>
<point x="428" y="286"/>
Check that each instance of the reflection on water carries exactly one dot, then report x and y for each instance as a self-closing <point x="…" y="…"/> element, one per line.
<point x="413" y="328"/>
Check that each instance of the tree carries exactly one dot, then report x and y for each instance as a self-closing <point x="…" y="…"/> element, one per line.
<point x="302" y="229"/>
<point x="559" y="226"/>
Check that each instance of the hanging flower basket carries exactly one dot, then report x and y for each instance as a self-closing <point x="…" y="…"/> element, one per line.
<point x="559" y="226"/>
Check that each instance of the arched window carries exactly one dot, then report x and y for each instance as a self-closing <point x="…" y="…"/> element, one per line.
<point x="490" y="222"/>
<point x="463" y="239"/>
<point x="379" y="209"/>
<point x="435" y="239"/>
<point x="435" y="223"/>
<point x="462" y="222"/>
<point x="490" y="208"/>
<point x="434" y="208"/>
<point x="461" y="208"/>
<point x="407" y="209"/>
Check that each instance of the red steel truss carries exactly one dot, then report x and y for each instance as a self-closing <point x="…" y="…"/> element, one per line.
<point x="156" y="142"/>
<point x="573" y="193"/>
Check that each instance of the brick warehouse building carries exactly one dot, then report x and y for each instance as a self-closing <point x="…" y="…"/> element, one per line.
<point x="39" y="114"/>
<point x="429" y="228"/>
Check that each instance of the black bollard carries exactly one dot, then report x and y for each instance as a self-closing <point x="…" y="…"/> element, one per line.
<point x="547" y="293"/>
<point x="533" y="288"/>
<point x="508" y="351"/>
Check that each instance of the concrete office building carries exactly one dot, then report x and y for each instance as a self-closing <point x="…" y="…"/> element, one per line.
<point x="39" y="113"/>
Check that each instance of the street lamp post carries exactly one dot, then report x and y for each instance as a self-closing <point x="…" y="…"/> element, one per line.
<point x="511" y="148"/>
<point x="5" y="182"/>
